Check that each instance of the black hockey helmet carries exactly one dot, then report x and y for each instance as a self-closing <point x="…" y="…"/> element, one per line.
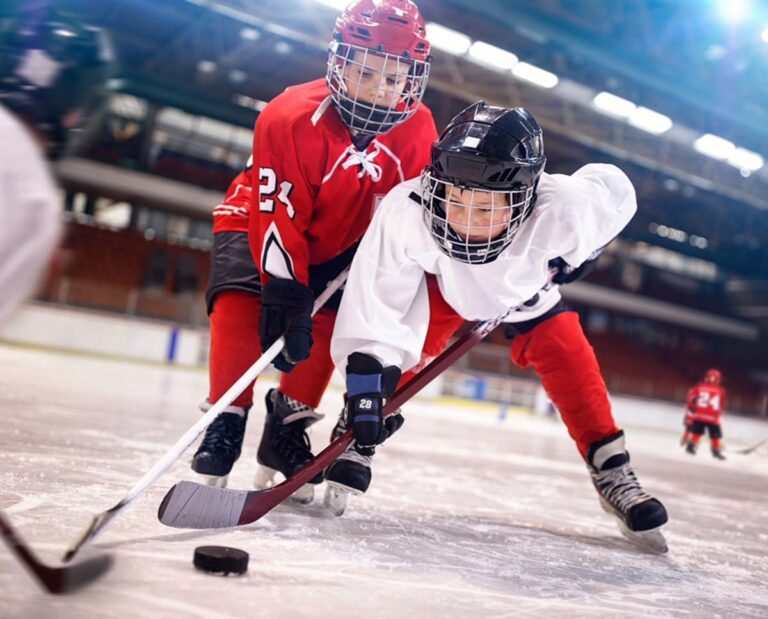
<point x="53" y="69"/>
<point x="484" y="149"/>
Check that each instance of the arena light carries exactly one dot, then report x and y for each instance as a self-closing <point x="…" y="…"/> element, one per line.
<point x="491" y="56"/>
<point x="745" y="160"/>
<point x="613" y="105"/>
<point x="734" y="11"/>
<point x="650" y="121"/>
<point x="714" y="146"/>
<point x="250" y="34"/>
<point x="448" y="40"/>
<point x="339" y="5"/>
<point x="764" y="36"/>
<point x="535" y="75"/>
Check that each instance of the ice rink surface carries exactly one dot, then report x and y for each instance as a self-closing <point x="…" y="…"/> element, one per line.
<point x="468" y="515"/>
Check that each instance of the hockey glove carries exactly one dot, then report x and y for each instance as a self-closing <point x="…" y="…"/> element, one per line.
<point x="560" y="272"/>
<point x="368" y="383"/>
<point x="286" y="309"/>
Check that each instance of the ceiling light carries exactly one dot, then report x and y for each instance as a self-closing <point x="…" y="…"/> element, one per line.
<point x="613" y="105"/>
<point x="714" y="146"/>
<point x="492" y="56"/>
<point x="335" y="4"/>
<point x="448" y="40"/>
<point x="535" y="75"/>
<point x="745" y="160"/>
<point x="650" y="121"/>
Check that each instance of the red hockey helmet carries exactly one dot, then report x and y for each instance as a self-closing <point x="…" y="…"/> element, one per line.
<point x="390" y="26"/>
<point x="378" y="64"/>
<point x="713" y="377"/>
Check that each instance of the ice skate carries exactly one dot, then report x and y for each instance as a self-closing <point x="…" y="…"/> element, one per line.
<point x="717" y="454"/>
<point x="691" y="448"/>
<point x="349" y="475"/>
<point x="640" y="516"/>
<point x="221" y="445"/>
<point x="285" y="446"/>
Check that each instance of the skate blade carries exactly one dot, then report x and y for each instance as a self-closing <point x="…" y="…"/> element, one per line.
<point x="214" y="481"/>
<point x="265" y="478"/>
<point x="651" y="541"/>
<point x="336" y="499"/>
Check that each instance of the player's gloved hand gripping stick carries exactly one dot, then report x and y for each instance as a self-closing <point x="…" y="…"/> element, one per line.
<point x="189" y="505"/>
<point x="100" y="521"/>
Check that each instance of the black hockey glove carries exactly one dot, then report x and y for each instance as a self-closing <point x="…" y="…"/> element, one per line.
<point x="286" y="309"/>
<point x="368" y="383"/>
<point x="560" y="272"/>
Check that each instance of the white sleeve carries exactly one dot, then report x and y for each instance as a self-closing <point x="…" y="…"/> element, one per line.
<point x="384" y="311"/>
<point x="601" y="202"/>
<point x="30" y="215"/>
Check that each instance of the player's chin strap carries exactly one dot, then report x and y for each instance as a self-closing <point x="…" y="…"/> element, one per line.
<point x="100" y="521"/>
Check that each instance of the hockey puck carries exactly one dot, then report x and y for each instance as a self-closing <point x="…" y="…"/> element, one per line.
<point x="221" y="560"/>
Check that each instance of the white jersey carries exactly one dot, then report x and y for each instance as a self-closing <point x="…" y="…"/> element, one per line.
<point x="30" y="213"/>
<point x="385" y="309"/>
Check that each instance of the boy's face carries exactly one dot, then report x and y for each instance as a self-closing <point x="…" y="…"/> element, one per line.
<point x="476" y="215"/>
<point x="375" y="80"/>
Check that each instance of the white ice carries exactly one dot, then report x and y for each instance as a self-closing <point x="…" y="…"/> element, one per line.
<point x="468" y="515"/>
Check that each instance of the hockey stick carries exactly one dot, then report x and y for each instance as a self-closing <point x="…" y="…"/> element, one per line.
<point x="751" y="448"/>
<point x="59" y="579"/>
<point x="100" y="521"/>
<point x="189" y="505"/>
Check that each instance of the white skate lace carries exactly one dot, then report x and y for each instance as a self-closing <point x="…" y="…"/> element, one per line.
<point x="620" y="487"/>
<point x="352" y="455"/>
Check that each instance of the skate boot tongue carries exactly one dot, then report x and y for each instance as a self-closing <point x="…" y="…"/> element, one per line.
<point x="615" y="461"/>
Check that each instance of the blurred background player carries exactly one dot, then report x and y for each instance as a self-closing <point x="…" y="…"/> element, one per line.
<point x="52" y="73"/>
<point x="706" y="403"/>
<point x="324" y="154"/>
<point x="487" y="221"/>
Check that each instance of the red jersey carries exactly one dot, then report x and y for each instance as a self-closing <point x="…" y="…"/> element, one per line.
<point x="314" y="192"/>
<point x="233" y="212"/>
<point x="706" y="402"/>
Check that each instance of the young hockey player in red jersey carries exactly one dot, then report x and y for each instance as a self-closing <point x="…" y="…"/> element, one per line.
<point x="324" y="154"/>
<point x="706" y="402"/>
<point x="497" y="233"/>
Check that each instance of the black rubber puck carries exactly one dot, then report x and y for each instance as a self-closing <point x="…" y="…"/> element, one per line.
<point x="221" y="560"/>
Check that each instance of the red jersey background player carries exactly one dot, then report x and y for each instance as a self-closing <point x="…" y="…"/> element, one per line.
<point x="706" y="402"/>
<point x="324" y="153"/>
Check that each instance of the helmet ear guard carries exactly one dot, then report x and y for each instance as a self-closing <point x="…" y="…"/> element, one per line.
<point x="487" y="150"/>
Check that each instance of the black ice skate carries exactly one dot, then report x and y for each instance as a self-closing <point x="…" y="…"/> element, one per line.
<point x="349" y="474"/>
<point x="221" y="445"/>
<point x="640" y="516"/>
<point x="285" y="446"/>
<point x="716" y="453"/>
<point x="691" y="448"/>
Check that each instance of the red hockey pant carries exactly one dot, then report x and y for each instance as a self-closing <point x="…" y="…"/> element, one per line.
<point x="235" y="346"/>
<point x="559" y="352"/>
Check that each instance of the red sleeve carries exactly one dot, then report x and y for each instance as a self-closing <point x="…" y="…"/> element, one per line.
<point x="282" y="199"/>
<point x="692" y="394"/>
<point x="231" y="215"/>
<point x="425" y="133"/>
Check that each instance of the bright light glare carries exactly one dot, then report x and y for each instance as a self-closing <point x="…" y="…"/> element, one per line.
<point x="745" y="160"/>
<point x="535" y="75"/>
<point x="734" y="11"/>
<point x="448" y="40"/>
<point x="714" y="146"/>
<point x="335" y="4"/>
<point x="764" y="36"/>
<point x="650" y="121"/>
<point x="492" y="56"/>
<point x="613" y="105"/>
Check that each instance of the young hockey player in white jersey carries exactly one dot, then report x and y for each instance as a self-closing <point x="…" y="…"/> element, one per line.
<point x="496" y="232"/>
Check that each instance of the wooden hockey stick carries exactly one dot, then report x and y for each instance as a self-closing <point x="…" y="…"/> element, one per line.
<point x="54" y="579"/>
<point x="189" y="505"/>
<point x="751" y="448"/>
<point x="100" y="521"/>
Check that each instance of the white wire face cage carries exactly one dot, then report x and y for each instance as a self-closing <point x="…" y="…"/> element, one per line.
<point x="476" y="229"/>
<point x="395" y="83"/>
